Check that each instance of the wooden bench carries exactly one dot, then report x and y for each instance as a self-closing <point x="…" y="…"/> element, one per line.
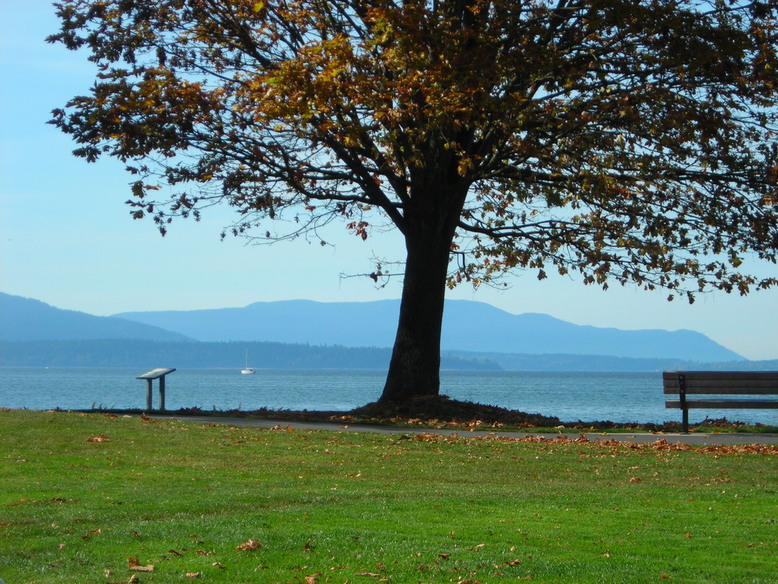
<point x="717" y="384"/>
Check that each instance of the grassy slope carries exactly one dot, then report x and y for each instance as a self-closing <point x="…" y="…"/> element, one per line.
<point x="82" y="493"/>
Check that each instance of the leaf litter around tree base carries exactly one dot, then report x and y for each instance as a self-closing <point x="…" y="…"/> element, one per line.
<point x="440" y="411"/>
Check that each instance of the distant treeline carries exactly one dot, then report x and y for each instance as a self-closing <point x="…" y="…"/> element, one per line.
<point x="567" y="362"/>
<point x="149" y="354"/>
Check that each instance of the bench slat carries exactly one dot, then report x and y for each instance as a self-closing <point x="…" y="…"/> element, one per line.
<point x="725" y="382"/>
<point x="761" y="404"/>
<point x="724" y="389"/>
<point x="755" y="375"/>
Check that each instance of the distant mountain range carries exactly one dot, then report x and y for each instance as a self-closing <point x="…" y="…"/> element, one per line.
<point x="476" y="335"/>
<point x="25" y="319"/>
<point x="467" y="326"/>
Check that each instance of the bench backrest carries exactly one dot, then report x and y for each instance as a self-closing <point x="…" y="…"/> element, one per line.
<point x="722" y="382"/>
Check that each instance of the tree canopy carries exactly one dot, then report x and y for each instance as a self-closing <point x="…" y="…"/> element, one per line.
<point x="628" y="141"/>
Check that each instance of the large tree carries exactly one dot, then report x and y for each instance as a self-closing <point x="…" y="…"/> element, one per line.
<point x="629" y="141"/>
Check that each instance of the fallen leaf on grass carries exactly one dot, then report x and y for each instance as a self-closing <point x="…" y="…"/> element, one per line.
<point x="192" y="574"/>
<point x="368" y="574"/>
<point x="100" y="438"/>
<point x="135" y="566"/>
<point x="280" y="428"/>
<point x="87" y="536"/>
<point x="249" y="546"/>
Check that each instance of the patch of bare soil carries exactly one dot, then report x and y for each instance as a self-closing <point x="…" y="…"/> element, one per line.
<point x="434" y="408"/>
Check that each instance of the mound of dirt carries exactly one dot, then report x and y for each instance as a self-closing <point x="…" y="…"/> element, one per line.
<point x="443" y="409"/>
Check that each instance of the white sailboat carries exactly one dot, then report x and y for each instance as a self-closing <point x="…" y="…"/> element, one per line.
<point x="246" y="369"/>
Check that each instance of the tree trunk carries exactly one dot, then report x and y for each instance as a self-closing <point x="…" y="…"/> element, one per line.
<point x="414" y="369"/>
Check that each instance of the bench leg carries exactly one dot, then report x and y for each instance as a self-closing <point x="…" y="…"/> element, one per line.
<point x="148" y="395"/>
<point x="682" y="395"/>
<point x="162" y="393"/>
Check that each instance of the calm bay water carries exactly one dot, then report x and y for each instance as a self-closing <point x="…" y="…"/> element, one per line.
<point x="618" y="397"/>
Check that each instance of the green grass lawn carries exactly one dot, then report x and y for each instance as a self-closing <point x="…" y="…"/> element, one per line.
<point x="102" y="499"/>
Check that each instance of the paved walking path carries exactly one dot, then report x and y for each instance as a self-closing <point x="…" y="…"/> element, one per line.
<point x="695" y="438"/>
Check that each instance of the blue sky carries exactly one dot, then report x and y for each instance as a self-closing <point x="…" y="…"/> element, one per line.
<point x="66" y="237"/>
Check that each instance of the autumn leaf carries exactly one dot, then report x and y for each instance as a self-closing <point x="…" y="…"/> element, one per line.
<point x="147" y="419"/>
<point x="100" y="438"/>
<point x="250" y="545"/>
